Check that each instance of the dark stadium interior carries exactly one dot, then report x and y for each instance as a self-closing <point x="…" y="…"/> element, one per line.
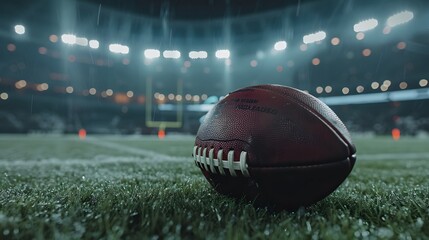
<point x="51" y="86"/>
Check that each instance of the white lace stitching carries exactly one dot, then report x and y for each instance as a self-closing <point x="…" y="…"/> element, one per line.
<point x="218" y="165"/>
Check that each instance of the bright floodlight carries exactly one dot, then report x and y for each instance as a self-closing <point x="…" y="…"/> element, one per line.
<point x="365" y="25"/>
<point x="118" y="48"/>
<point x="82" y="41"/>
<point x="400" y="18"/>
<point x="193" y="55"/>
<point x="222" y="53"/>
<point x="125" y="50"/>
<point x="152" y="53"/>
<point x="314" y="37"/>
<point x="19" y="29"/>
<point x="197" y="54"/>
<point x="68" y="38"/>
<point x="171" y="54"/>
<point x="94" y="44"/>
<point x="280" y="45"/>
<point x="203" y="54"/>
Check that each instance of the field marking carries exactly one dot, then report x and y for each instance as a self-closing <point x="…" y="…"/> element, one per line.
<point x="392" y="156"/>
<point x="132" y="150"/>
<point x="99" y="159"/>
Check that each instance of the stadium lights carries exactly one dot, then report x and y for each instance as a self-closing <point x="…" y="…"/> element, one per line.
<point x="152" y="53"/>
<point x="197" y="54"/>
<point x="19" y="29"/>
<point x="68" y="38"/>
<point x="4" y="96"/>
<point x="82" y="41"/>
<point x="400" y="18"/>
<point x="118" y="48"/>
<point x="365" y="25"/>
<point x="21" y="84"/>
<point x="224" y="53"/>
<point x="280" y="45"/>
<point x="69" y="89"/>
<point x="314" y="37"/>
<point x="94" y="44"/>
<point x="171" y="54"/>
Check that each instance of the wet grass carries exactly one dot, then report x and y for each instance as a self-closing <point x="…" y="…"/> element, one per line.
<point x="64" y="188"/>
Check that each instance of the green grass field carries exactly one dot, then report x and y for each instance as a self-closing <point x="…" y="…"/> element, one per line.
<point x="110" y="187"/>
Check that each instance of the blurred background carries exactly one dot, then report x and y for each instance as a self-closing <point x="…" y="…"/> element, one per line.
<point x="157" y="67"/>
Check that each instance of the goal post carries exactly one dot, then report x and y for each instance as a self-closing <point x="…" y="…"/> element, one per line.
<point x="150" y="122"/>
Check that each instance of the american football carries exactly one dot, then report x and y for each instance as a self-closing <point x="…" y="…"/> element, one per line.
<point x="274" y="144"/>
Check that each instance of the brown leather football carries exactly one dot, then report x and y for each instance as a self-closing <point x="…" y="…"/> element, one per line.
<point x="274" y="145"/>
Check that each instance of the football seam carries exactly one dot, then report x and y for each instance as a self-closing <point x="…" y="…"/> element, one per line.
<point x="353" y="157"/>
<point x="316" y="114"/>
<point x="213" y="139"/>
<point x="331" y="125"/>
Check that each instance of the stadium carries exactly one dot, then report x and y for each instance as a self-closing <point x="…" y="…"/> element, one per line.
<point x="101" y="102"/>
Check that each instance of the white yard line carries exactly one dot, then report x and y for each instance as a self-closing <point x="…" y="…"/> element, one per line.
<point x="132" y="150"/>
<point x="99" y="159"/>
<point x="141" y="155"/>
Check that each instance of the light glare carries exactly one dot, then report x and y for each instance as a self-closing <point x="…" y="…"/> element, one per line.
<point x="152" y="53"/>
<point x="400" y="18"/>
<point x="366" y="52"/>
<point x="19" y="29"/>
<point x="280" y="45"/>
<point x="387" y="83"/>
<point x="328" y="89"/>
<point x="401" y="45"/>
<point x="69" y="89"/>
<point x="360" y="36"/>
<point x="119" y="48"/>
<point x="4" y="96"/>
<point x="365" y="25"/>
<point x="314" y="37"/>
<point x="21" y="84"/>
<point x="335" y="41"/>
<point x="315" y="61"/>
<point x="253" y="63"/>
<point x="42" y="87"/>
<point x="109" y="92"/>
<point x="197" y="54"/>
<point x="68" y="38"/>
<point x="94" y="44"/>
<point x="224" y="53"/>
<point x="92" y="91"/>
<point x="175" y="54"/>
<point x="82" y="41"/>
<point x="375" y="85"/>
<point x="53" y="38"/>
